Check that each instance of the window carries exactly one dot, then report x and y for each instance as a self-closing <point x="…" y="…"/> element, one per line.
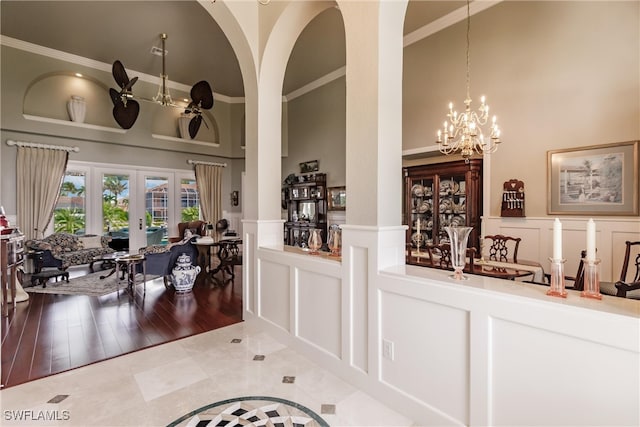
<point x="189" y="200"/>
<point x="70" y="212"/>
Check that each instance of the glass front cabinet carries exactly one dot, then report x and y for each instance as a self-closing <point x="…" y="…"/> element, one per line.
<point x="306" y="203"/>
<point x="441" y="195"/>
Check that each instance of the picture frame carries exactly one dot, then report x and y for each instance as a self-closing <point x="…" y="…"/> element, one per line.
<point x="308" y="167"/>
<point x="593" y="180"/>
<point x="337" y="198"/>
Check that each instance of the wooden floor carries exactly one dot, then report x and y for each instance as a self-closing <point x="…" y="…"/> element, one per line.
<point x="54" y="333"/>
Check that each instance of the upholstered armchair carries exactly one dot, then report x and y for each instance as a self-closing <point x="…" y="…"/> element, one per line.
<point x="197" y="228"/>
<point x="160" y="259"/>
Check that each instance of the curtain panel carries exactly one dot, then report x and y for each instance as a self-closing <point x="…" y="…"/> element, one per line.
<point x="40" y="172"/>
<point x="209" y="183"/>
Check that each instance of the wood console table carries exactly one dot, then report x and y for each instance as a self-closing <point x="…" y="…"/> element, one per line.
<point x="11" y="257"/>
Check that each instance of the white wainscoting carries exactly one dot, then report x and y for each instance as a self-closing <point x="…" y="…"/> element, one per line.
<point x="302" y="295"/>
<point x="482" y="352"/>
<point x="537" y="240"/>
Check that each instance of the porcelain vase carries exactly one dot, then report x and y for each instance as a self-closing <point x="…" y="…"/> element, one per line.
<point x="183" y="125"/>
<point x="77" y="108"/>
<point x="184" y="274"/>
<point x="458" y="237"/>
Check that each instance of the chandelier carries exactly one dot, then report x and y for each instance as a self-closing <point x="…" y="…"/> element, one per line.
<point x="463" y="132"/>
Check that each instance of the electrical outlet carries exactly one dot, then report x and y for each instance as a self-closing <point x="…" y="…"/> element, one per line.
<point x="387" y="349"/>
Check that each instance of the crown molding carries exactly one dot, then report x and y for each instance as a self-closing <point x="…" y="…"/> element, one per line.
<point x="411" y="38"/>
<point x="327" y="78"/>
<point x="101" y="66"/>
<point x="448" y="20"/>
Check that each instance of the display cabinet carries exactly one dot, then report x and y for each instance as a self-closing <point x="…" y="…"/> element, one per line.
<point x="441" y="195"/>
<point x="305" y="199"/>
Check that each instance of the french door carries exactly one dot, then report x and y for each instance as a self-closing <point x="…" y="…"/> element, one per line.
<point x="137" y="207"/>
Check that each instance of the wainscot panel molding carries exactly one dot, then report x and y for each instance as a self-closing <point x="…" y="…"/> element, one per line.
<point x="451" y="353"/>
<point x="537" y="240"/>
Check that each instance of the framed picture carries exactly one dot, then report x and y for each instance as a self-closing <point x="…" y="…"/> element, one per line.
<point x="308" y="167"/>
<point x="337" y="198"/>
<point x="594" y="180"/>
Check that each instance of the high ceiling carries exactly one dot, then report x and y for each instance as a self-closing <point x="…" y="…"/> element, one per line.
<point x="197" y="49"/>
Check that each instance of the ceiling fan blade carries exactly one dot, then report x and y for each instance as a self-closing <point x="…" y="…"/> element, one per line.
<point x="120" y="74"/>
<point x="202" y="95"/>
<point x="130" y="84"/>
<point x="115" y="96"/>
<point x="194" y="126"/>
<point x="126" y="115"/>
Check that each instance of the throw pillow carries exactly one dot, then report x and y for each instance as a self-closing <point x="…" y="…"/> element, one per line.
<point x="91" y="242"/>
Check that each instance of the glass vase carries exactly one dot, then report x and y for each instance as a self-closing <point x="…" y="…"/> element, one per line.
<point x="335" y="242"/>
<point x="458" y="237"/>
<point x="315" y="241"/>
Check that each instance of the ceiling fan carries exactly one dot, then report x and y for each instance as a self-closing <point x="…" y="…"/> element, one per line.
<point x="126" y="108"/>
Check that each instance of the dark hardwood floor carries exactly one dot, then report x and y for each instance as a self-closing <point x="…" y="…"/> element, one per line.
<point x="54" y="333"/>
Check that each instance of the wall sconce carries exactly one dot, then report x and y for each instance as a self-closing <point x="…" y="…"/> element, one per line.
<point x="234" y="198"/>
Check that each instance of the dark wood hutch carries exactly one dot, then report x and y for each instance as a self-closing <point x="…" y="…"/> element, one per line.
<point x="439" y="195"/>
<point x="305" y="199"/>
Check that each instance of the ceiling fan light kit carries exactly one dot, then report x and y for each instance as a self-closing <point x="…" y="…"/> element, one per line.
<point x="126" y="108"/>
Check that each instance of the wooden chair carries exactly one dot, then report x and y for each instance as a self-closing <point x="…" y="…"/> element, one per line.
<point x="197" y="227"/>
<point x="570" y="282"/>
<point x="500" y="247"/>
<point x="625" y="286"/>
<point x="440" y="257"/>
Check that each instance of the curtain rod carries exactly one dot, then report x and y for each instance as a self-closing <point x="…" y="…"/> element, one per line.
<point x="11" y="142"/>
<point x="198" y="162"/>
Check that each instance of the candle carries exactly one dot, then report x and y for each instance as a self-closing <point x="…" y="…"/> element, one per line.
<point x="591" y="240"/>
<point x="418" y="225"/>
<point x="557" y="240"/>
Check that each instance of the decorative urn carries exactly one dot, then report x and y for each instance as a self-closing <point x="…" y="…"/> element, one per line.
<point x="183" y="125"/>
<point x="77" y="108"/>
<point x="184" y="274"/>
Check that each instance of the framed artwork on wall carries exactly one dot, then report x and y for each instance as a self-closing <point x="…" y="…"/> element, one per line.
<point x="308" y="167"/>
<point x="337" y="198"/>
<point x="593" y="180"/>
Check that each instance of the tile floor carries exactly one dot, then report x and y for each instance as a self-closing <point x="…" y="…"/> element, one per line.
<point x="155" y="387"/>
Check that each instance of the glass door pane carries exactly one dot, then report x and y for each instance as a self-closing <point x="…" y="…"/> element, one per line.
<point x="70" y="211"/>
<point x="189" y="200"/>
<point x="156" y="209"/>
<point x="115" y="209"/>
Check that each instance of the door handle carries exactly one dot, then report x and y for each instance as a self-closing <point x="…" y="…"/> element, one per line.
<point x="140" y="223"/>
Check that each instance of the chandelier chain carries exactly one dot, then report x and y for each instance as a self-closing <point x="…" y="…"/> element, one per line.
<point x="468" y="52"/>
<point x="463" y="132"/>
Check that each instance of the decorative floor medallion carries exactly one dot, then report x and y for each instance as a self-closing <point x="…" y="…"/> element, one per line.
<point x="251" y="411"/>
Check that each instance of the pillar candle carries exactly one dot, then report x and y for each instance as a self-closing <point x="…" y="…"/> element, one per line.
<point x="591" y="240"/>
<point x="557" y="240"/>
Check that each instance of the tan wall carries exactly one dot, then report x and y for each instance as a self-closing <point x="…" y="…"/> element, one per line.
<point x="32" y="84"/>
<point x="316" y="130"/>
<point x="557" y="74"/>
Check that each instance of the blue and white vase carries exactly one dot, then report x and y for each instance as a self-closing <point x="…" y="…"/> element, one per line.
<point x="184" y="274"/>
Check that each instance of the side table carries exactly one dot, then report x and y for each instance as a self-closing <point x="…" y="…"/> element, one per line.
<point x="127" y="264"/>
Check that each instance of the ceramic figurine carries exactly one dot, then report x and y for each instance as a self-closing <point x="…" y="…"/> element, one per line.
<point x="184" y="274"/>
